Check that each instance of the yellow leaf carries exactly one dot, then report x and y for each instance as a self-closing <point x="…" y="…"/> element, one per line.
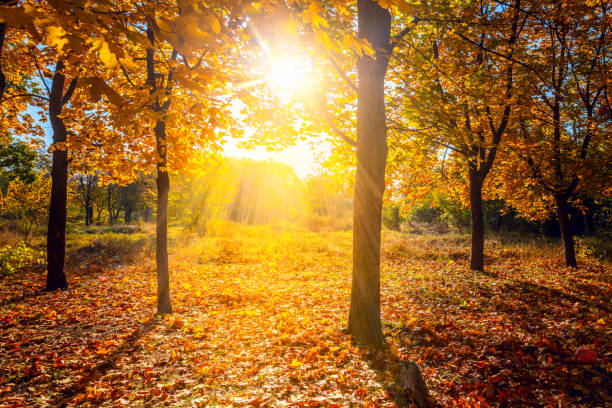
<point x="56" y="37"/>
<point x="213" y="23"/>
<point x="106" y="56"/>
<point x="404" y="6"/>
<point x="98" y="87"/>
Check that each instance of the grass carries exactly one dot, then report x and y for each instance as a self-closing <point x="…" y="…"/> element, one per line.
<point x="259" y="319"/>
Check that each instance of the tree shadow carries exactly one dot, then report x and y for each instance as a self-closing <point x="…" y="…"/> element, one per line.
<point x="503" y="365"/>
<point x="97" y="371"/>
<point x="22" y="297"/>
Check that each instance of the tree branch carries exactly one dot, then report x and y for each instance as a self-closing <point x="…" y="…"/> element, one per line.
<point x="26" y="95"/>
<point x="341" y="72"/>
<point x="337" y="131"/>
<point x="70" y="91"/>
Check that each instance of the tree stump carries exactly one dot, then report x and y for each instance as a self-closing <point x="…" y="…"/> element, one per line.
<point x="411" y="391"/>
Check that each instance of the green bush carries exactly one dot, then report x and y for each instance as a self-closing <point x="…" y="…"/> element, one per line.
<point x="114" y="229"/>
<point x="454" y="214"/>
<point x="15" y="257"/>
<point x="128" y="246"/>
<point x="391" y="217"/>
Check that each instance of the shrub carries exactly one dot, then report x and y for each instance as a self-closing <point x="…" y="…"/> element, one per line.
<point x="128" y="247"/>
<point x="115" y="229"/>
<point x="15" y="257"/>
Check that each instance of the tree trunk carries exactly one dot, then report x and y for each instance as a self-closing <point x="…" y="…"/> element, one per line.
<point x="364" y="316"/>
<point x="585" y="221"/>
<point x="477" y="256"/>
<point x="127" y="215"/>
<point x="566" y="231"/>
<point x="411" y="389"/>
<point x="2" y="76"/>
<point x="88" y="213"/>
<point x="108" y="204"/>
<point x="56" y="233"/>
<point x="163" y="186"/>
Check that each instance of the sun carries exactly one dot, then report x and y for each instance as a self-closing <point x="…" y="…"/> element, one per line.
<point x="288" y="74"/>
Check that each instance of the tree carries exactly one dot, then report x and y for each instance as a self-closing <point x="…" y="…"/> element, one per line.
<point x="56" y="233"/>
<point x="112" y="202"/>
<point x="17" y="161"/>
<point x="562" y="143"/>
<point x="178" y="108"/>
<point x="374" y="47"/>
<point x="28" y="202"/>
<point x="46" y="36"/>
<point x="85" y="188"/>
<point x="459" y="89"/>
<point x="134" y="196"/>
<point x="364" y="316"/>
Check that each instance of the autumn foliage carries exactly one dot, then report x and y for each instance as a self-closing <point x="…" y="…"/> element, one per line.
<point x="259" y="316"/>
<point x="429" y="118"/>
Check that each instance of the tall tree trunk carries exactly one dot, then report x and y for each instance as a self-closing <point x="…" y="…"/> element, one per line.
<point x="56" y="233"/>
<point x="163" y="186"/>
<point x="127" y="215"/>
<point x="163" y="182"/>
<point x="476" y="210"/>
<point x="364" y="316"/>
<point x="566" y="231"/>
<point x="2" y="76"/>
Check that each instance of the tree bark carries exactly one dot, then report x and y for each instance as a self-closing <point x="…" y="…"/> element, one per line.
<point x="163" y="182"/>
<point x="127" y="215"/>
<point x="476" y="210"/>
<point x="411" y="389"/>
<point x="56" y="233"/>
<point x="364" y="316"/>
<point x="2" y="76"/>
<point x="566" y="231"/>
<point x="109" y="204"/>
<point x="163" y="186"/>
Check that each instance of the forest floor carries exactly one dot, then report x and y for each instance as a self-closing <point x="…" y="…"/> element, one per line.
<point x="258" y="322"/>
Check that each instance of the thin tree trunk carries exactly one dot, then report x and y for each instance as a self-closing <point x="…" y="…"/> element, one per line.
<point x="585" y="221"/>
<point x="566" y="232"/>
<point x="56" y="233"/>
<point x="476" y="210"/>
<point x="364" y="316"/>
<point x="163" y="182"/>
<point x="163" y="186"/>
<point x="109" y="205"/>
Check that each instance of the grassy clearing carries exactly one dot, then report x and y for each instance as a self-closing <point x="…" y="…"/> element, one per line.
<point x="259" y="313"/>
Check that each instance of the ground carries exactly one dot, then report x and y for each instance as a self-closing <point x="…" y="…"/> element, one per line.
<point x="259" y="319"/>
